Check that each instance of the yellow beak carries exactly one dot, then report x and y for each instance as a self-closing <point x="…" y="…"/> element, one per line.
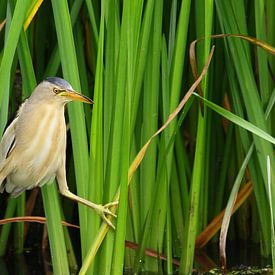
<point x="73" y="95"/>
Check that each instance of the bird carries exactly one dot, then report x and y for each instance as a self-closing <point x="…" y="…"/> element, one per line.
<point x="33" y="147"/>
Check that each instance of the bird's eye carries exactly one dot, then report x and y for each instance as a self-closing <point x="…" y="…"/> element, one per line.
<point x="56" y="91"/>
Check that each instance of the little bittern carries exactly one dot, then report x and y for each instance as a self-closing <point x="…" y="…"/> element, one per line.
<point x="33" y="148"/>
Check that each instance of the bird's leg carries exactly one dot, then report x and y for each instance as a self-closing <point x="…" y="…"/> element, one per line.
<point x="102" y="210"/>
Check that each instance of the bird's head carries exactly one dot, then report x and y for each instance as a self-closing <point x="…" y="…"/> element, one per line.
<point x="57" y="90"/>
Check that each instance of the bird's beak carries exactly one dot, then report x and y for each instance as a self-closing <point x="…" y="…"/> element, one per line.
<point x="73" y="95"/>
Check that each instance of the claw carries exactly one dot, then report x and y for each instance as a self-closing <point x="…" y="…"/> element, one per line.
<point x="104" y="210"/>
<point x="108" y="222"/>
<point x="110" y="204"/>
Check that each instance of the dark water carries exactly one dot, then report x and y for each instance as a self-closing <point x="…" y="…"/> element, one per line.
<point x="242" y="258"/>
<point x="32" y="262"/>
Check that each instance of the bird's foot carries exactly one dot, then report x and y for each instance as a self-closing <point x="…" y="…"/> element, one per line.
<point x="103" y="211"/>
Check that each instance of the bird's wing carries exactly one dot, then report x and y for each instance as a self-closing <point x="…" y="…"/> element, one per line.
<point x="8" y="141"/>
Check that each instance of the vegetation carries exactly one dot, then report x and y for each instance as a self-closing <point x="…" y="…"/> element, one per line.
<point x="132" y="59"/>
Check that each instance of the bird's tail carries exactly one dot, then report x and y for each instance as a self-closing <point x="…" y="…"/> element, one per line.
<point x="5" y="169"/>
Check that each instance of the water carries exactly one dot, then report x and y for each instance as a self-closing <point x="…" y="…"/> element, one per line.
<point x="31" y="262"/>
<point x="242" y="258"/>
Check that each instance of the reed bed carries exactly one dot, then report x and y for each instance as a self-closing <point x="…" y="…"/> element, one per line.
<point x="132" y="59"/>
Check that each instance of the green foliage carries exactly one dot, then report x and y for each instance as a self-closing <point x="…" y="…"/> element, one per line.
<point x="131" y="58"/>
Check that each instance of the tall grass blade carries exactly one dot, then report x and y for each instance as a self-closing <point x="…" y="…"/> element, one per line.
<point x="230" y="205"/>
<point x="238" y="120"/>
<point x="32" y="12"/>
<point x="5" y="231"/>
<point x="115" y="160"/>
<point x="96" y="137"/>
<point x="212" y="228"/>
<point x="201" y="156"/>
<point x="76" y="114"/>
<point x="56" y="233"/>
<point x="9" y="51"/>
<point x="271" y="212"/>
